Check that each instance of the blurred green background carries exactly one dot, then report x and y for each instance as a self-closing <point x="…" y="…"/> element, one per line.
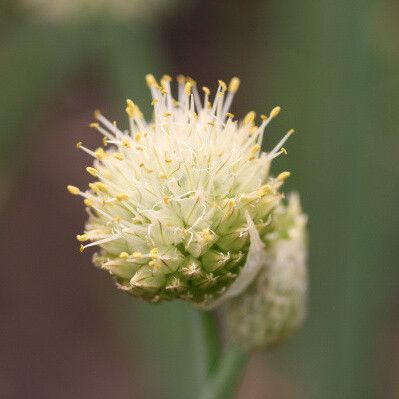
<point x="332" y="66"/>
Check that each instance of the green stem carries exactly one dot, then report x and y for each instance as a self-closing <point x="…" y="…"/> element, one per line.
<point x="206" y="344"/>
<point x="224" y="381"/>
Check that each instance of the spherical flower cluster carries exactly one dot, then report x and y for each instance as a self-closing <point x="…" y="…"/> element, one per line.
<point x="64" y="10"/>
<point x="180" y="205"/>
<point x="274" y="305"/>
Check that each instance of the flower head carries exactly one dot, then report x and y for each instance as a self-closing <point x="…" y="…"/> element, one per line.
<point x="274" y="305"/>
<point x="179" y="204"/>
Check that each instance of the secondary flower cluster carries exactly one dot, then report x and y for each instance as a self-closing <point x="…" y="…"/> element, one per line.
<point x="184" y="206"/>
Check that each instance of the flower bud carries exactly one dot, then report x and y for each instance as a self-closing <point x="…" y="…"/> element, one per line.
<point x="274" y="305"/>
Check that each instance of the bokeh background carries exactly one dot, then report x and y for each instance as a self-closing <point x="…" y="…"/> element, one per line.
<point x="333" y="66"/>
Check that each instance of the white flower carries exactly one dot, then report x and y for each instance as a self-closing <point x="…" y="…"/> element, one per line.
<point x="64" y="10"/>
<point x="274" y="305"/>
<point x="180" y="203"/>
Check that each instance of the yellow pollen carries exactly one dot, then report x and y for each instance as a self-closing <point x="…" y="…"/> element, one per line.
<point x="105" y="141"/>
<point x="124" y="255"/>
<point x="234" y="84"/>
<point x="82" y="237"/>
<point x="151" y="81"/>
<point x="291" y="131"/>
<point x="206" y="90"/>
<point x="88" y="202"/>
<point x="92" y="171"/>
<point x="154" y="253"/>
<point x="167" y="160"/>
<point x="284" y="151"/>
<point x="94" y="125"/>
<point x="162" y="176"/>
<point x="206" y="235"/>
<point x="166" y="78"/>
<point x="222" y="85"/>
<point x="275" y="112"/>
<point x="263" y="117"/>
<point x="167" y="114"/>
<point x="141" y="165"/>
<point x="125" y="142"/>
<point x="181" y="79"/>
<point x="122" y="197"/>
<point x="154" y="101"/>
<point x="137" y="136"/>
<point x="137" y="255"/>
<point x="166" y="199"/>
<point x="139" y="148"/>
<point x="255" y="148"/>
<point x="97" y="113"/>
<point x="119" y="156"/>
<point x="99" y="153"/>
<point x="231" y="202"/>
<point x="249" y="118"/>
<point x="81" y="248"/>
<point x="73" y="190"/>
<point x="252" y="158"/>
<point x="283" y="175"/>
<point x="230" y="115"/>
<point x="79" y="145"/>
<point x="187" y="88"/>
<point x="192" y="81"/>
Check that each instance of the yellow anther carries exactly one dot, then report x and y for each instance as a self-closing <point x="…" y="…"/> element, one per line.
<point x="105" y="141"/>
<point x="251" y="158"/>
<point x="181" y="79"/>
<point x="231" y="202"/>
<point x="187" y="88"/>
<point x="291" y="131"/>
<point x="97" y="113"/>
<point x="263" y="117"/>
<point x="139" y="148"/>
<point x="137" y="136"/>
<point x="206" y="90"/>
<point x="223" y="86"/>
<point x="249" y="118"/>
<point x="99" y="153"/>
<point x="88" y="202"/>
<point x="119" y="156"/>
<point x="137" y="255"/>
<point x="125" y="142"/>
<point x="94" y="125"/>
<point x="284" y="151"/>
<point x="92" y="171"/>
<point x="141" y="165"/>
<point x="116" y="219"/>
<point x="234" y="84"/>
<point x="154" y="101"/>
<point x="98" y="186"/>
<point x="255" y="148"/>
<point x="82" y="237"/>
<point x="220" y="154"/>
<point x="79" y="145"/>
<point x="283" y="175"/>
<point x="151" y="81"/>
<point x="253" y="129"/>
<point x="163" y="176"/>
<point x="154" y="253"/>
<point x="166" y="199"/>
<point x="167" y="114"/>
<point x="167" y="160"/>
<point x="230" y="115"/>
<point x="81" y="248"/>
<point x="211" y="123"/>
<point x="73" y="190"/>
<point x="166" y="78"/>
<point x="124" y="255"/>
<point x="275" y="112"/>
<point x="207" y="235"/>
<point x="122" y="197"/>
<point x="264" y="190"/>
